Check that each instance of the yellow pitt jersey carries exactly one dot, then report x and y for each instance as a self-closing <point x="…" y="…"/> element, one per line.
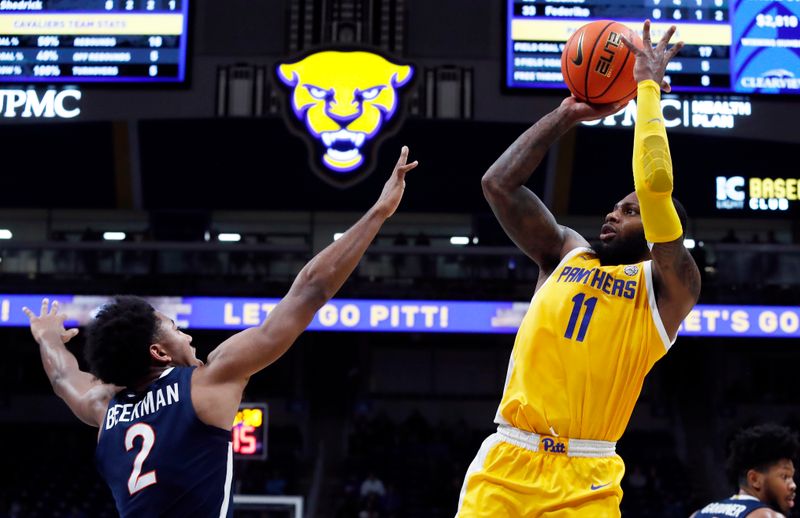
<point x="590" y="336"/>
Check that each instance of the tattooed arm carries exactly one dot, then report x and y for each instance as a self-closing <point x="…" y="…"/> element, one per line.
<point x="677" y="281"/>
<point x="523" y="216"/>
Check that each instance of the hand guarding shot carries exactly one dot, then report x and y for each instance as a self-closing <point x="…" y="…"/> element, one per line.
<point x="396" y="184"/>
<point x="49" y="322"/>
<point x="165" y="417"/>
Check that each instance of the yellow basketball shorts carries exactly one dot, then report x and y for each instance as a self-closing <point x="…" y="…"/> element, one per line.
<point x="520" y="474"/>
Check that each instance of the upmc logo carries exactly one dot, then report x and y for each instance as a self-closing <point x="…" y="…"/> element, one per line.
<point x="51" y="104"/>
<point x="730" y="192"/>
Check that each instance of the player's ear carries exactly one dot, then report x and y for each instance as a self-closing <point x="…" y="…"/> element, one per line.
<point x="755" y="479"/>
<point x="159" y="353"/>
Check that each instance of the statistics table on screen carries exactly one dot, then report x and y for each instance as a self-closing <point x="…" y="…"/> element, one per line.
<point x="732" y="46"/>
<point x="77" y="41"/>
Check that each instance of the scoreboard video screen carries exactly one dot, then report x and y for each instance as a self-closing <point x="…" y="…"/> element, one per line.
<point x="86" y="41"/>
<point x="732" y="46"/>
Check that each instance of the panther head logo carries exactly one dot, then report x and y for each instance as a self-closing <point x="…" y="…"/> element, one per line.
<point x="344" y="98"/>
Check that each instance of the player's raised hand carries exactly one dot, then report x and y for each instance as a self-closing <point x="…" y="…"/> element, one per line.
<point x="394" y="187"/>
<point x="49" y="322"/>
<point x="651" y="62"/>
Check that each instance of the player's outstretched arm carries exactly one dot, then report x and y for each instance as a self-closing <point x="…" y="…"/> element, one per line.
<point x="253" y="349"/>
<point x="676" y="275"/>
<point x="521" y="213"/>
<point x="85" y="395"/>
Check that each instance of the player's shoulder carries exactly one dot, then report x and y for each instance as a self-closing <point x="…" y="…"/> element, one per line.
<point x="567" y="241"/>
<point x="103" y="392"/>
<point x="572" y="240"/>
<point x="765" y="512"/>
<point x="97" y="399"/>
<point x="573" y="244"/>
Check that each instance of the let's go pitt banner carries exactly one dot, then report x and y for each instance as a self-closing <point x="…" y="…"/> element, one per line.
<point x="401" y="316"/>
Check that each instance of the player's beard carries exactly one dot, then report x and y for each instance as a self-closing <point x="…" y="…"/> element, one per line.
<point x="629" y="250"/>
<point x="772" y="500"/>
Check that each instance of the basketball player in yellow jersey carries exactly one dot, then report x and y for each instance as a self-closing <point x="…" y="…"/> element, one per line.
<point x="597" y="323"/>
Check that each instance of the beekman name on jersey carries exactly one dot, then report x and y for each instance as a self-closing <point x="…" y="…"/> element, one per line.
<point x="600" y="280"/>
<point x="152" y="402"/>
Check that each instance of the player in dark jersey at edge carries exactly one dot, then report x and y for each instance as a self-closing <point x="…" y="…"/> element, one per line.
<point x="761" y="465"/>
<point x="164" y="416"/>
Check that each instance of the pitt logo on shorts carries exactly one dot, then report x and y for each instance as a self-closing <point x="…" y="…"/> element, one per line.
<point x="555" y="445"/>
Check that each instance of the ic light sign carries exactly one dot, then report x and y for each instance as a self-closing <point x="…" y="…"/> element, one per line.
<point x="40" y="104"/>
<point x="754" y="193"/>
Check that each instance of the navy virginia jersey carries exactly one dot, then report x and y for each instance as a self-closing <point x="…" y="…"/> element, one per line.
<point x="158" y="457"/>
<point x="736" y="506"/>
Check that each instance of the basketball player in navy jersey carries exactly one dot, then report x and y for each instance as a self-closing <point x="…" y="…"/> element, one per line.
<point x="164" y="416"/>
<point x="761" y="465"/>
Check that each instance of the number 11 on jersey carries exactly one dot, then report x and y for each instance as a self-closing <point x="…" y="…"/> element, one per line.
<point x="578" y="301"/>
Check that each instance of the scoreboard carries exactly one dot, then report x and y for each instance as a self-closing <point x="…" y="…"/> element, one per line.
<point x="85" y="41"/>
<point x="249" y="432"/>
<point x="732" y="46"/>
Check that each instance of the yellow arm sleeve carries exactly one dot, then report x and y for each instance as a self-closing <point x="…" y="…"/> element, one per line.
<point x="652" y="168"/>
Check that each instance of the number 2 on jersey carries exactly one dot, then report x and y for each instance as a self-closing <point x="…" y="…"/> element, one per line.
<point x="138" y="481"/>
<point x="577" y="302"/>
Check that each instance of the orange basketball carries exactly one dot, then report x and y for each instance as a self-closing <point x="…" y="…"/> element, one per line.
<point x="597" y="66"/>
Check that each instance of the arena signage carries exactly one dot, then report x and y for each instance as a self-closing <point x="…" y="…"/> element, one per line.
<point x="40" y="104"/>
<point x="403" y="316"/>
<point x="249" y="431"/>
<point x="343" y="102"/>
<point x="719" y="113"/>
<point x="756" y="193"/>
